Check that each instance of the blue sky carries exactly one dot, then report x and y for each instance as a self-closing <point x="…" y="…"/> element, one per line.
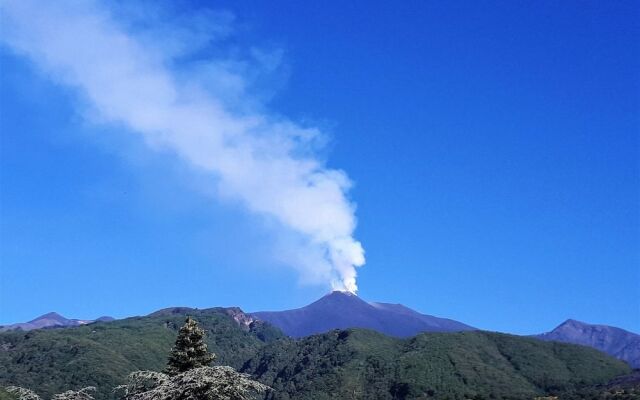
<point x="493" y="149"/>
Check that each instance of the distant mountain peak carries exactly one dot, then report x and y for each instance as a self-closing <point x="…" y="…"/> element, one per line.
<point x="341" y="310"/>
<point x="580" y="326"/>
<point x="51" y="320"/>
<point x="50" y="315"/>
<point x="617" y="342"/>
<point x="343" y="293"/>
<point x="573" y="322"/>
<point x="339" y="294"/>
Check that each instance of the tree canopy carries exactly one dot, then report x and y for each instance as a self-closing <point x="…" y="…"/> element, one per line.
<point x="203" y="383"/>
<point x="190" y="350"/>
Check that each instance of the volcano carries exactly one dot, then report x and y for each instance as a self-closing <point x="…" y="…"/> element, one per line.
<point x="340" y="310"/>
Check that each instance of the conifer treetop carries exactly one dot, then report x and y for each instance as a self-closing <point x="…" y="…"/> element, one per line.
<point x="190" y="351"/>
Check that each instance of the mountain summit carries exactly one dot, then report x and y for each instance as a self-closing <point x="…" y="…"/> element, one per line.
<point x="614" y="341"/>
<point x="51" y="320"/>
<point x="340" y="310"/>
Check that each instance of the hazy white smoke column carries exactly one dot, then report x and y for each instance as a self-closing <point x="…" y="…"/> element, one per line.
<point x="135" y="76"/>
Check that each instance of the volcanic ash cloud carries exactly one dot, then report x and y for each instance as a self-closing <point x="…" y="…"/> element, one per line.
<point x="137" y="75"/>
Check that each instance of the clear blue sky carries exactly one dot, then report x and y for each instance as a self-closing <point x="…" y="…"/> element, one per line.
<point x="494" y="148"/>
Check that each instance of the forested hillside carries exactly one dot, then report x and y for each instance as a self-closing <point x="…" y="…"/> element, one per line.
<point x="339" y="364"/>
<point x="103" y="354"/>
<point x="358" y="364"/>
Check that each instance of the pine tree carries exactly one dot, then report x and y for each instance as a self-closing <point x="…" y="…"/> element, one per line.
<point x="190" y="350"/>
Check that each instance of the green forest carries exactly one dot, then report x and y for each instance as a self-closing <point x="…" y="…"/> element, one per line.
<point x="347" y="364"/>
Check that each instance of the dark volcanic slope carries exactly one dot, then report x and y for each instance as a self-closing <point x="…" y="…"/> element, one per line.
<point x="614" y="341"/>
<point x="340" y="310"/>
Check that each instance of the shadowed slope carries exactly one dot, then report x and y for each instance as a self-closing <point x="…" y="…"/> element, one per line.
<point x="340" y="310"/>
<point x="611" y="340"/>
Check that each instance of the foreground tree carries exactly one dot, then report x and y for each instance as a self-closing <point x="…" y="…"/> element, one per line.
<point x="82" y="394"/>
<point x="22" y="393"/>
<point x="204" y="383"/>
<point x="190" y="350"/>
<point x="188" y="375"/>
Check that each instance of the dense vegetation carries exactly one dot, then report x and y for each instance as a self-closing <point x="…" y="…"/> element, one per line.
<point x="626" y="387"/>
<point x="356" y="364"/>
<point x="352" y="364"/>
<point x="4" y="395"/>
<point x="188" y="375"/>
<point x="103" y="354"/>
<point x="190" y="350"/>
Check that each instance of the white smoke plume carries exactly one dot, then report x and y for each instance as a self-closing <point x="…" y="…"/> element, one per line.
<point x="130" y="69"/>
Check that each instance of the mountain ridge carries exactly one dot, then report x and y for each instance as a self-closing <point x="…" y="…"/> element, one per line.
<point x="342" y="310"/>
<point x="471" y="364"/>
<point x="614" y="341"/>
<point x="51" y="320"/>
